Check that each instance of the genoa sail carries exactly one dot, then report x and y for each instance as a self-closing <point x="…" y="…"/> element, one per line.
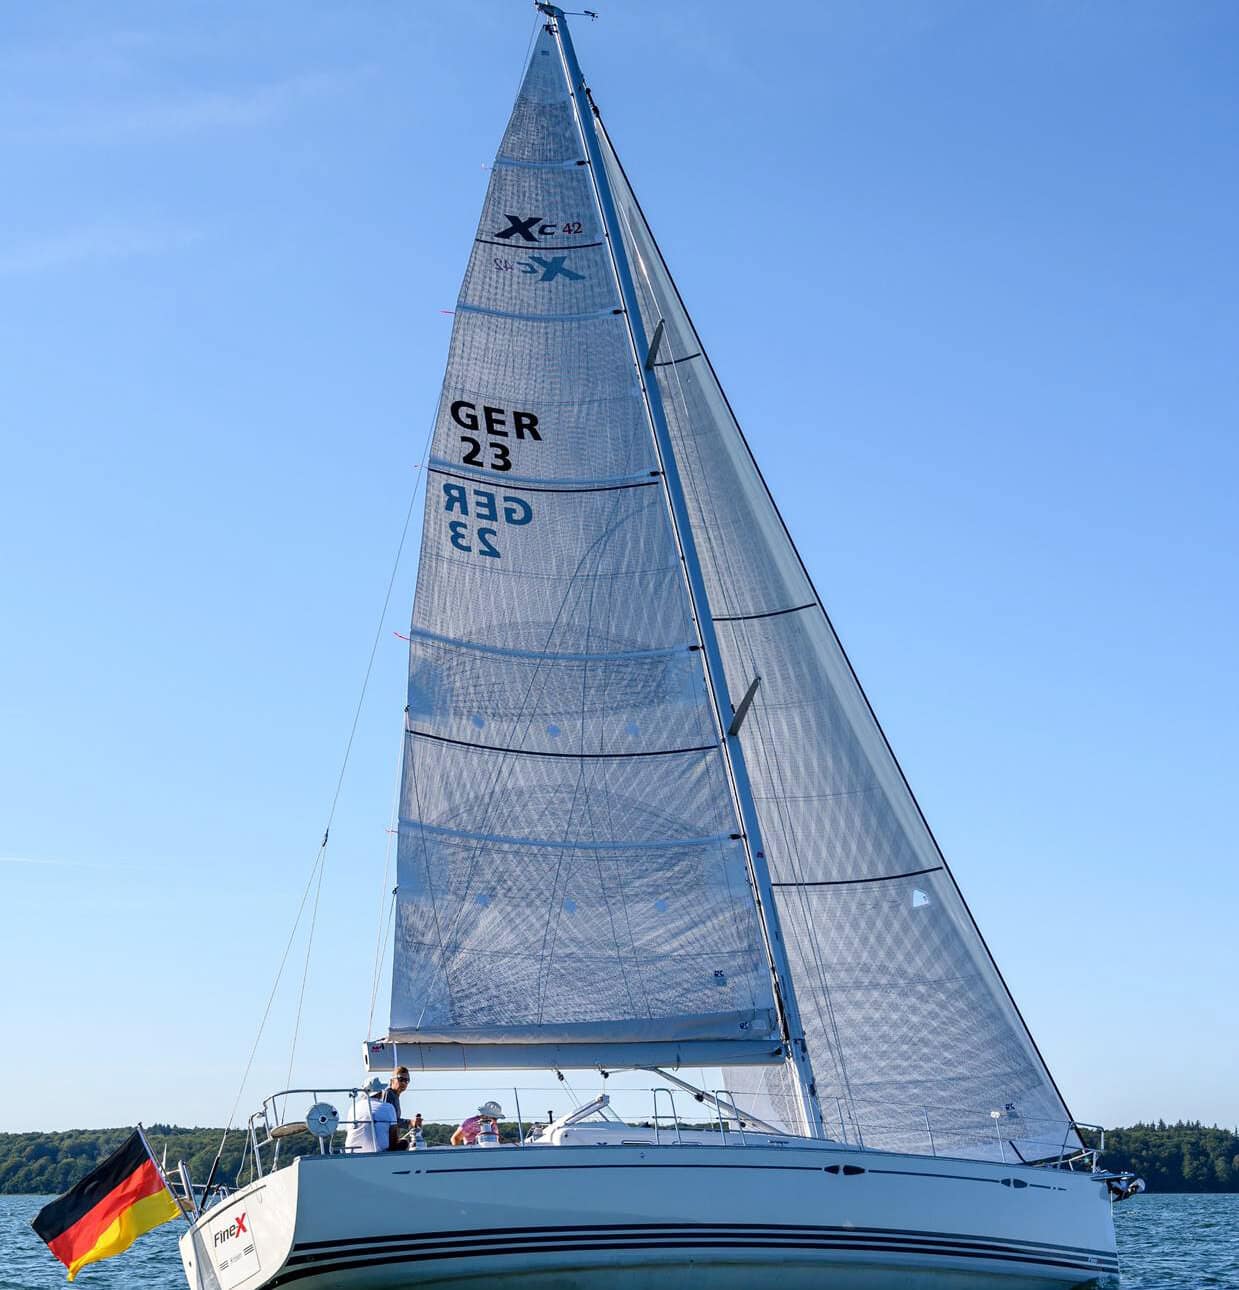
<point x="572" y="883"/>
<point x="909" y="1026"/>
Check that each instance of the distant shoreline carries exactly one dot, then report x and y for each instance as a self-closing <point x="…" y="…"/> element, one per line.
<point x="1186" y="1157"/>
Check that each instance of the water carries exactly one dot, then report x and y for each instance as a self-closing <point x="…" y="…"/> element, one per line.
<point x="1165" y="1243"/>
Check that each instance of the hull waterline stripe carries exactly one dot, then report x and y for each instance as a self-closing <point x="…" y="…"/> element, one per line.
<point x="530" y="752"/>
<point x="323" y="1265"/>
<point x="597" y="1230"/>
<point x="330" y="1266"/>
<point x="852" y="882"/>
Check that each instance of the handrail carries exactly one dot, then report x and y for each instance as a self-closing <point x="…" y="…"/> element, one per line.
<point x="952" y="1132"/>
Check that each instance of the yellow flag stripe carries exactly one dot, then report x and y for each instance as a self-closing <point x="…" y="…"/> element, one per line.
<point x="139" y="1218"/>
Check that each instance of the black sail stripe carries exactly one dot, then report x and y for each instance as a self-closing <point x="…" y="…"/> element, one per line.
<point x="528" y="248"/>
<point x="496" y="480"/>
<point x="853" y="882"/>
<point x="770" y="613"/>
<point x="585" y="756"/>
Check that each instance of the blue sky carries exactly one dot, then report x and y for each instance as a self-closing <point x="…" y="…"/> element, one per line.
<point x="986" y="250"/>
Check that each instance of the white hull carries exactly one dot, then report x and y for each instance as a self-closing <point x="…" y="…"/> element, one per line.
<point x="648" y="1217"/>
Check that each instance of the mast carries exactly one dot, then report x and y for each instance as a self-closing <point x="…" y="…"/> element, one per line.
<point x="780" y="969"/>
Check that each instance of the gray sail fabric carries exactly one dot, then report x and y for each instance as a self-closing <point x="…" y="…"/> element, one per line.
<point x="569" y="866"/>
<point x="914" y="1039"/>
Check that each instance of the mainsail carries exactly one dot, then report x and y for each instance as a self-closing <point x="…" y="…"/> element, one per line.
<point x="572" y="882"/>
<point x="574" y="888"/>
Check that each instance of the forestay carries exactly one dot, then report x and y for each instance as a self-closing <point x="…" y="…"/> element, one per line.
<point x="572" y="887"/>
<point x="910" y="1028"/>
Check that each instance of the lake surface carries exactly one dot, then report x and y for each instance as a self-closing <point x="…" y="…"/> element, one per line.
<point x="1165" y="1243"/>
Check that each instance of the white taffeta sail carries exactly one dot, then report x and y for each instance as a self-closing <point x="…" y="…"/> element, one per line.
<point x="573" y="884"/>
<point x="570" y="866"/>
<point x="915" y="1042"/>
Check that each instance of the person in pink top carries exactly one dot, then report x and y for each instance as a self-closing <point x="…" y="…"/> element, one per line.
<point x="471" y="1129"/>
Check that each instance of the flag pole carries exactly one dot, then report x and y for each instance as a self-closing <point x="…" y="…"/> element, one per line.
<point x="164" y="1176"/>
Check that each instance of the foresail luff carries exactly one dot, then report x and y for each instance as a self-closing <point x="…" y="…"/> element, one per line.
<point x="910" y="1028"/>
<point x="572" y="887"/>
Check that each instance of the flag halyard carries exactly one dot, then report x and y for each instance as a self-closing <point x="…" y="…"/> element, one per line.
<point x="101" y="1216"/>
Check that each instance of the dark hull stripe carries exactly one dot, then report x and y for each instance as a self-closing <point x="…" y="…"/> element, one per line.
<point x="525" y="1169"/>
<point x="598" y="1230"/>
<point x="325" y="1264"/>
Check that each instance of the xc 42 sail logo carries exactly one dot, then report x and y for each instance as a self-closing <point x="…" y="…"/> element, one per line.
<point x="535" y="227"/>
<point x="522" y="230"/>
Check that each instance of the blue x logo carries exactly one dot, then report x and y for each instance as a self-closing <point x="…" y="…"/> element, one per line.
<point x="551" y="269"/>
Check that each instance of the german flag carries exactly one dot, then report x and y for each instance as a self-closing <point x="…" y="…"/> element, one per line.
<point x="109" y="1209"/>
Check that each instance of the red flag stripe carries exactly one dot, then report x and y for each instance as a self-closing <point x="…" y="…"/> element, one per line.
<point x="82" y="1236"/>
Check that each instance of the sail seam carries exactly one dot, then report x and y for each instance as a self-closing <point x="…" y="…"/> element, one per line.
<point x="538" y="488"/>
<point x="851" y="882"/>
<point x="539" y="165"/>
<point x="642" y="957"/>
<point x="770" y="613"/>
<point x="580" y="578"/>
<point x="640" y="476"/>
<point x="532" y="752"/>
<point x="671" y="362"/>
<point x="520" y="317"/>
<point x="661" y="844"/>
<point x="507" y="652"/>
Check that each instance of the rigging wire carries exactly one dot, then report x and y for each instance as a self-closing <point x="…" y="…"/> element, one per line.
<point x="348" y="748"/>
<point x="314" y="879"/>
<point x="380" y="935"/>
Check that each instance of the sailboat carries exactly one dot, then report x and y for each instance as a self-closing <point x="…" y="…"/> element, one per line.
<point x="649" y="822"/>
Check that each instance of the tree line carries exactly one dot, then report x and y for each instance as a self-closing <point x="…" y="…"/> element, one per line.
<point x="1182" y="1157"/>
<point x="1186" y="1156"/>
